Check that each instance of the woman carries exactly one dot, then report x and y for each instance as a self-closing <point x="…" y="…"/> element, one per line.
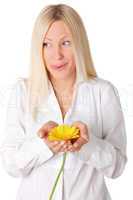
<point x="63" y="88"/>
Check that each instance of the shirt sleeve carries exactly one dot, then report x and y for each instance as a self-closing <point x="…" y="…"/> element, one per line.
<point x="108" y="154"/>
<point x="21" y="151"/>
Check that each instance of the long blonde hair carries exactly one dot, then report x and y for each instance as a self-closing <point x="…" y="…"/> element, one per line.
<point x="38" y="81"/>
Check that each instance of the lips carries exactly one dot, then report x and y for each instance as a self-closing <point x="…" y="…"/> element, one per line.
<point x="58" y="66"/>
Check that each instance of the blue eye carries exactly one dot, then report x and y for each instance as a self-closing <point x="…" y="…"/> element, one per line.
<point x="66" y="43"/>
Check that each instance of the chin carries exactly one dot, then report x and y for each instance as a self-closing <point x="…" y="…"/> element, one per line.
<point x="61" y="76"/>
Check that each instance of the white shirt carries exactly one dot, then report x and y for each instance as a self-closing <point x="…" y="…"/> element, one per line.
<point x="96" y="102"/>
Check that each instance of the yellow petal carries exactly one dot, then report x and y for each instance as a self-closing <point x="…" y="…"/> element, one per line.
<point x="63" y="132"/>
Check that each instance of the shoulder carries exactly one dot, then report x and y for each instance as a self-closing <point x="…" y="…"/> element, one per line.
<point x="100" y="87"/>
<point x="18" y="94"/>
<point x="18" y="90"/>
<point x="20" y="84"/>
<point x="99" y="83"/>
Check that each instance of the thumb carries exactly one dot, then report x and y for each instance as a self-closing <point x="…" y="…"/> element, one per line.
<point x="39" y="133"/>
<point x="42" y="133"/>
<point x="50" y="127"/>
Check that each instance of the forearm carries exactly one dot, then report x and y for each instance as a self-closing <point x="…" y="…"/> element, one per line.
<point x="20" y="158"/>
<point x="103" y="156"/>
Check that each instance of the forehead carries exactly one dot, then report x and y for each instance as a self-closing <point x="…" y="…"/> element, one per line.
<point x="58" y="28"/>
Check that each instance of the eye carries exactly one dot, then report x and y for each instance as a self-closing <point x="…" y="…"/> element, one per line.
<point x="66" y="43"/>
<point x="45" y="44"/>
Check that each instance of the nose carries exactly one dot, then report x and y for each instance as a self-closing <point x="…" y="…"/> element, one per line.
<point x="57" y="53"/>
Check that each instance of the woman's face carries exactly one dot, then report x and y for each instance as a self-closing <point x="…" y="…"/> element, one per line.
<point x="58" y="52"/>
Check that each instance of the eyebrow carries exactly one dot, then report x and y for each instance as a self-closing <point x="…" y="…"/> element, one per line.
<point x="60" y="38"/>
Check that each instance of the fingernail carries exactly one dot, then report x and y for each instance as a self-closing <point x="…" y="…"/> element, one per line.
<point x="69" y="147"/>
<point x="55" y="142"/>
<point x="62" y="142"/>
<point x="76" y="145"/>
<point x="71" y="150"/>
<point x="40" y="135"/>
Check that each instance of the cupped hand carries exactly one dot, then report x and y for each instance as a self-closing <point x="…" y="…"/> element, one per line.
<point x="55" y="146"/>
<point x="83" y="139"/>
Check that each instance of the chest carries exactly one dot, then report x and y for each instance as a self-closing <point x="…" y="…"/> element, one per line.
<point x="65" y="102"/>
<point x="85" y="108"/>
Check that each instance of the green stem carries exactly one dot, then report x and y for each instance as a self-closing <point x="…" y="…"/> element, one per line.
<point x="58" y="176"/>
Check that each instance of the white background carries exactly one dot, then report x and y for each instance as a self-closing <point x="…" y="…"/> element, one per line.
<point x="110" y="32"/>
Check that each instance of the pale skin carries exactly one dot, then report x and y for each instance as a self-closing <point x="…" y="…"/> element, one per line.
<point x="58" y="46"/>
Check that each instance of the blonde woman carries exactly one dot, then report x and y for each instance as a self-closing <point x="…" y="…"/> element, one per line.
<point x="63" y="88"/>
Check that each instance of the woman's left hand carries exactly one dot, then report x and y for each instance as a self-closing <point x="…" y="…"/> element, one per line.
<point x="83" y="138"/>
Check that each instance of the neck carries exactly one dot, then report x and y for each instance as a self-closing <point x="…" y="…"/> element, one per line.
<point x="63" y="85"/>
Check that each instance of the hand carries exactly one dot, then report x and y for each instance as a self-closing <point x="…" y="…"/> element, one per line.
<point x="55" y="146"/>
<point x="83" y="139"/>
<point x="45" y="129"/>
<point x="59" y="146"/>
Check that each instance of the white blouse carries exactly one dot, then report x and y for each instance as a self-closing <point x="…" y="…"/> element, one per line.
<point x="96" y="102"/>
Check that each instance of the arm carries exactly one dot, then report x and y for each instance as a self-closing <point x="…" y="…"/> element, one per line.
<point x="21" y="151"/>
<point x="108" y="154"/>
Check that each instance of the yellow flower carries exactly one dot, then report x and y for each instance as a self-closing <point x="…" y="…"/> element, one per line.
<point x="63" y="132"/>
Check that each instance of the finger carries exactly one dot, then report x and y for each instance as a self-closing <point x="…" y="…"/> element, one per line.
<point x="43" y="131"/>
<point x="79" y="142"/>
<point x="74" y="149"/>
<point x="51" y="126"/>
<point x="78" y="124"/>
<point x="56" y="144"/>
<point x="83" y="129"/>
<point x="82" y="126"/>
<point x="52" y="144"/>
<point x="59" y="146"/>
<point x="69" y="146"/>
<point x="77" y="145"/>
<point x="66" y="146"/>
<point x="63" y="146"/>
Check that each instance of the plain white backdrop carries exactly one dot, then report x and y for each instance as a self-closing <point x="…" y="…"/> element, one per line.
<point x="110" y="33"/>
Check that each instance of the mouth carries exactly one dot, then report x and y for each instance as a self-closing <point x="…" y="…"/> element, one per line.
<point x="57" y="67"/>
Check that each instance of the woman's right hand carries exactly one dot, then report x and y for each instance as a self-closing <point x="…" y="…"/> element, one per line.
<point x="55" y="146"/>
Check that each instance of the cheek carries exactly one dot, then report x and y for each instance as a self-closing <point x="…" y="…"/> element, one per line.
<point x="47" y="57"/>
<point x="72" y="61"/>
<point x="70" y="56"/>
